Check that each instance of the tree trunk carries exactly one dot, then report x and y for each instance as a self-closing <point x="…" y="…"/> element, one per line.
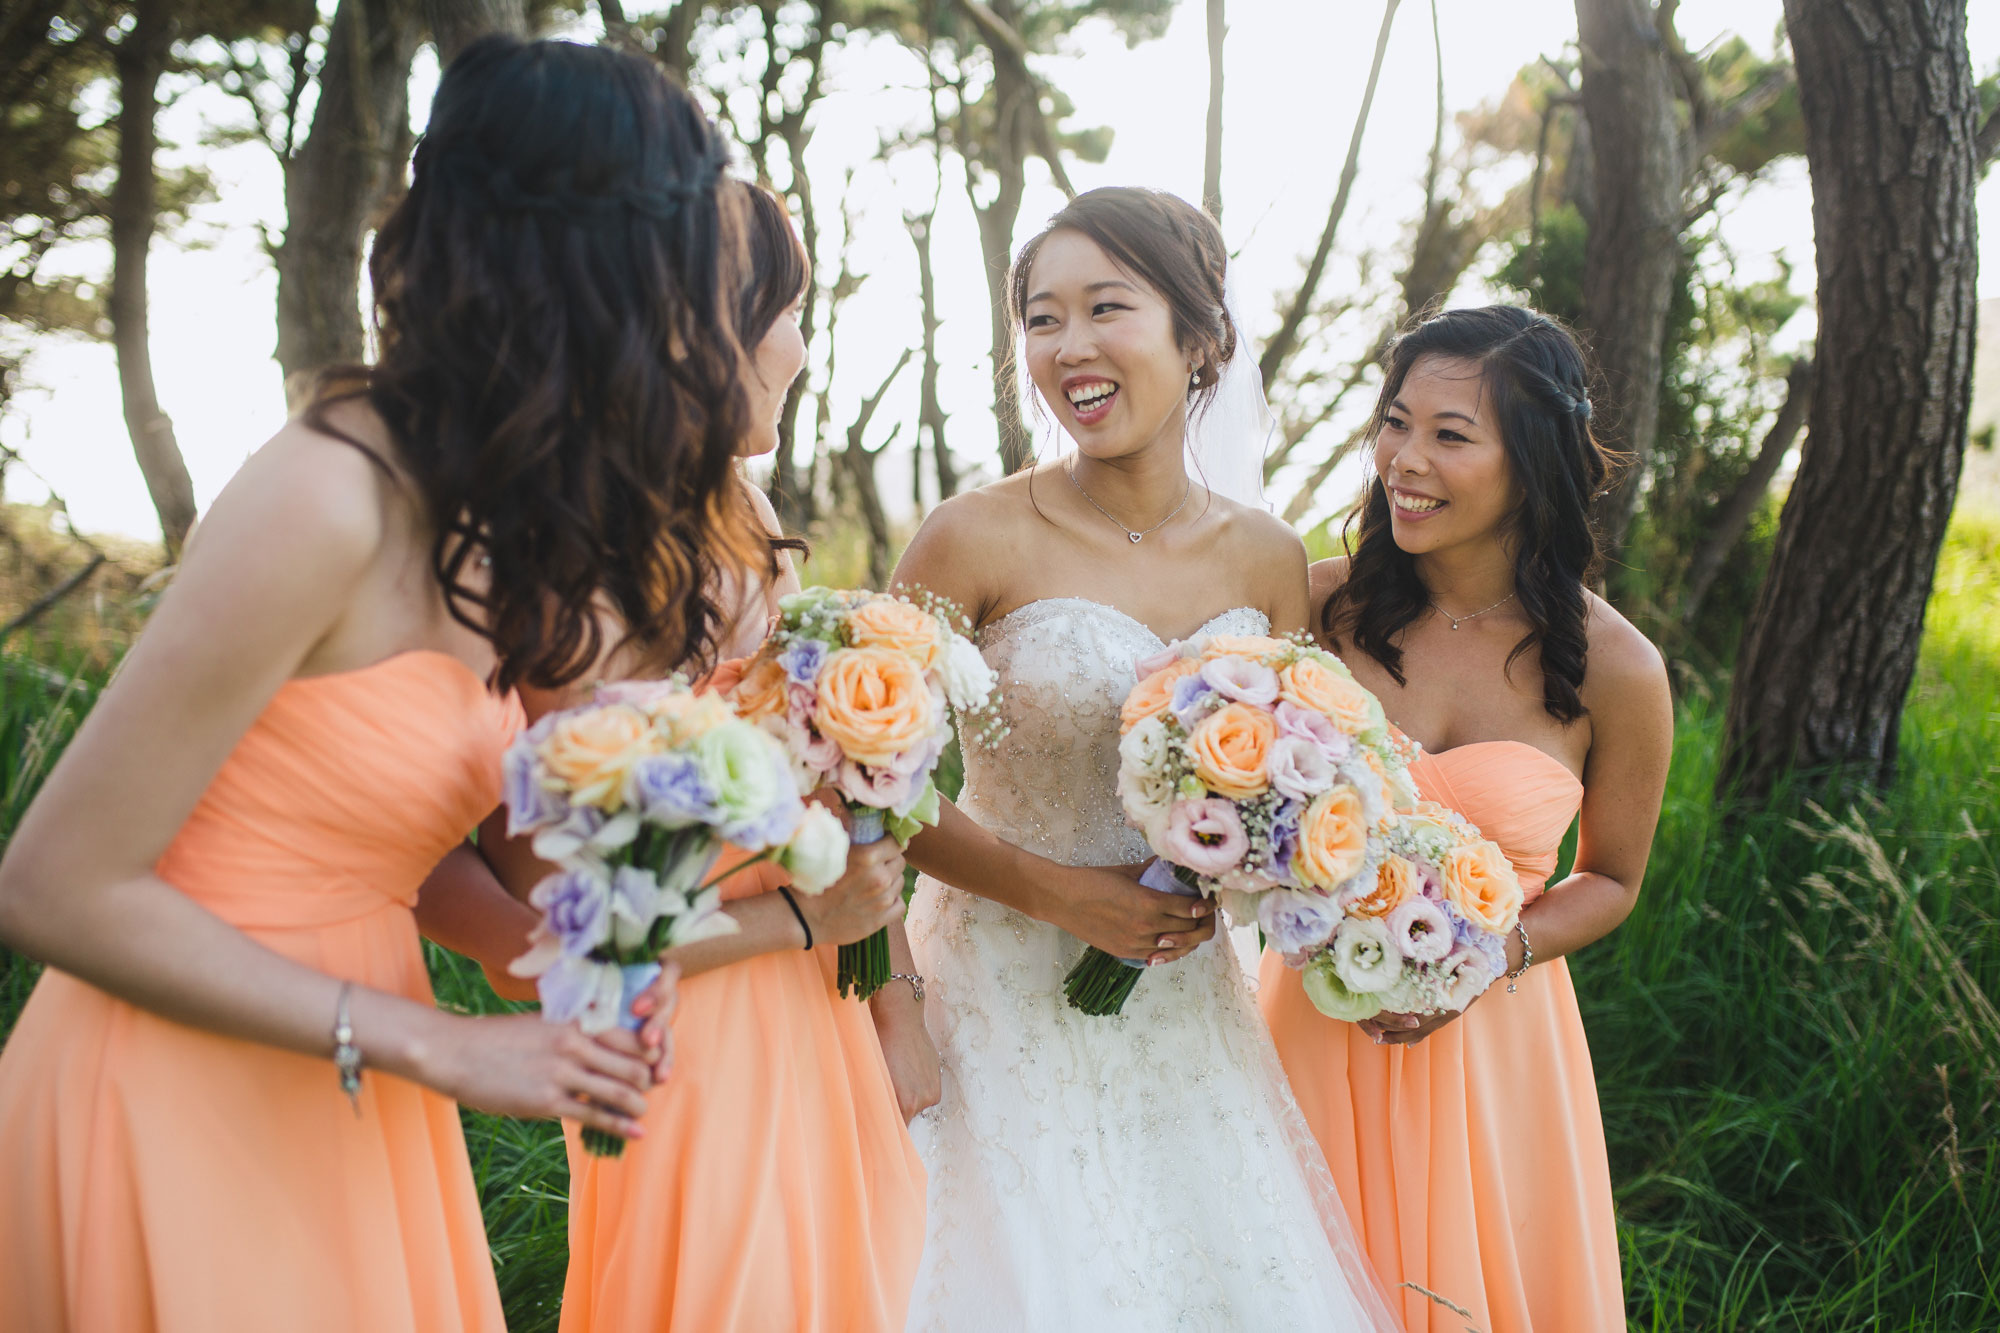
<point x="1633" y="250"/>
<point x="335" y="184"/>
<point x="454" y="23"/>
<point x="141" y="56"/>
<point x="1211" y="158"/>
<point x="1732" y="517"/>
<point x="930" y="411"/>
<point x="1890" y="110"/>
<point x="1013" y="103"/>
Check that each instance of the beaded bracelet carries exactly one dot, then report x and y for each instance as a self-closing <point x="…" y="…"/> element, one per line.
<point x="1527" y="955"/>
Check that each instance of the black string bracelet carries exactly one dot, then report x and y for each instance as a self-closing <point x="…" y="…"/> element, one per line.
<point x="793" y="903"/>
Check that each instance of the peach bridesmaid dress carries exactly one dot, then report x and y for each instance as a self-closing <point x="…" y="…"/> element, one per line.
<point x="1473" y="1163"/>
<point x="159" y="1177"/>
<point x="776" y="1188"/>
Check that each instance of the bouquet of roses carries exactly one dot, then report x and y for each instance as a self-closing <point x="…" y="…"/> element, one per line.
<point x="1262" y="775"/>
<point x="1430" y="934"/>
<point x="632" y="797"/>
<point x="860" y="687"/>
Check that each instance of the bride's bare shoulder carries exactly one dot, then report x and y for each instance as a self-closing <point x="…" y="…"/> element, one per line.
<point x="965" y="542"/>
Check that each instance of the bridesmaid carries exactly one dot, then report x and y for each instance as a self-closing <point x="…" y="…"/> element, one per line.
<point x="229" y="1104"/>
<point x="1469" y="1151"/>
<point x="777" y="1187"/>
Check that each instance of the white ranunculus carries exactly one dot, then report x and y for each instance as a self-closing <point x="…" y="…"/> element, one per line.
<point x="1365" y="957"/>
<point x="968" y="681"/>
<point x="817" y="854"/>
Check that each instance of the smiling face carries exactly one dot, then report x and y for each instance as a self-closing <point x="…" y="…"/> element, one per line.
<point x="1440" y="456"/>
<point x="1101" y="350"/>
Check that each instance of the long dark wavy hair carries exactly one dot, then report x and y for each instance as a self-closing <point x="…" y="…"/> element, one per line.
<point x="555" y="305"/>
<point x="1536" y="378"/>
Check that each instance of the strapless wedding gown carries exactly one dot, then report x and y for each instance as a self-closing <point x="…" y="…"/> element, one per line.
<point x="1144" y="1172"/>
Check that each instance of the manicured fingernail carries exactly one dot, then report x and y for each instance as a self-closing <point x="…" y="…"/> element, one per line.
<point x="643" y="1005"/>
<point x="633" y="1129"/>
<point x="1164" y="942"/>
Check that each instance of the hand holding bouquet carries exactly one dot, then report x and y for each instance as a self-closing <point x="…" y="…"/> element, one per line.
<point x="1431" y="934"/>
<point x="632" y="797"/>
<point x="859" y="687"/>
<point x="1262" y="775"/>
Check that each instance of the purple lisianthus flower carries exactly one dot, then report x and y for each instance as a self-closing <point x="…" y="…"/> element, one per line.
<point x="670" y="791"/>
<point x="1420" y="930"/>
<point x="1296" y="923"/>
<point x="1284" y="838"/>
<point x="582" y="991"/>
<point x="1241" y="679"/>
<point x="530" y="805"/>
<point x="576" y="906"/>
<point x="1299" y="768"/>
<point x="1194" y="699"/>
<point x="1206" y="836"/>
<point x="1303" y="722"/>
<point x="803" y="660"/>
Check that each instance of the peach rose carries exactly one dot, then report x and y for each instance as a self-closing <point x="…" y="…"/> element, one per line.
<point x="1241" y="645"/>
<point x="591" y="751"/>
<point x="873" y="703"/>
<point x="761" y="691"/>
<point x="895" y="625"/>
<point x="1313" y="685"/>
<point x="686" y="717"/>
<point x="1333" y="839"/>
<point x="1481" y="883"/>
<point x="1395" y="884"/>
<point x="1231" y="749"/>
<point x="1150" y="697"/>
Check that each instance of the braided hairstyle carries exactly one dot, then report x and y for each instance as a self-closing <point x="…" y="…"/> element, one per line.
<point x="555" y="300"/>
<point x="1537" y="381"/>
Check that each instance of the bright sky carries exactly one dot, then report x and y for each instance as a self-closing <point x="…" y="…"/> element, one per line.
<point x="1294" y="76"/>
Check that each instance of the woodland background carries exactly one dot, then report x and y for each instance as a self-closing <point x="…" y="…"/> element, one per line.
<point x="1796" y="1039"/>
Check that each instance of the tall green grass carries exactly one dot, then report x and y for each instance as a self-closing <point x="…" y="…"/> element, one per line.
<point x="1797" y="1050"/>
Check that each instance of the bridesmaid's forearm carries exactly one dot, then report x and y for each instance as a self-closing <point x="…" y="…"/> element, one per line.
<point x="765" y="924"/>
<point x="1572" y="915"/>
<point x="464" y="907"/>
<point x="151" y="945"/>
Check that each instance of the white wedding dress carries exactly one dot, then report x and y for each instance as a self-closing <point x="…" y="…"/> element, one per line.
<point x="1148" y="1171"/>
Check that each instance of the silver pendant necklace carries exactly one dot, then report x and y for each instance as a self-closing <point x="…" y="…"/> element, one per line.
<point x="1135" y="537"/>
<point x="1456" y="621"/>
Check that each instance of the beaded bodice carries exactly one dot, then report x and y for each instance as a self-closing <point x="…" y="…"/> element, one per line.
<point x="1050" y="785"/>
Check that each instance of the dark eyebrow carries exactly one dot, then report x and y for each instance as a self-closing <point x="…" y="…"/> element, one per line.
<point x="1403" y="407"/>
<point x="1092" y="288"/>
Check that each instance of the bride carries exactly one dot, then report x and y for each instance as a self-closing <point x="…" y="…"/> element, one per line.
<point x="1151" y="1170"/>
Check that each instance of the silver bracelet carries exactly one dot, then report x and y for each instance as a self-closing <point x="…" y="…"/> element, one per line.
<point x="1527" y="955"/>
<point x="346" y="1055"/>
<point x="916" y="980"/>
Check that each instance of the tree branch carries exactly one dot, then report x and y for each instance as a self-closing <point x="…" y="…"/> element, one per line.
<point x="1986" y="144"/>
<point x="1284" y="341"/>
<point x="40" y="605"/>
<point x="859" y="428"/>
<point x="1010" y="46"/>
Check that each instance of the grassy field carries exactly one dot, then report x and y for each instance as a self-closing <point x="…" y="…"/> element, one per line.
<point x="1796" y="1041"/>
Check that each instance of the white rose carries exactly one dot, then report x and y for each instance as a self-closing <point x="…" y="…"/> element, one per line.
<point x="968" y="681"/>
<point x="817" y="853"/>
<point x="1363" y="956"/>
